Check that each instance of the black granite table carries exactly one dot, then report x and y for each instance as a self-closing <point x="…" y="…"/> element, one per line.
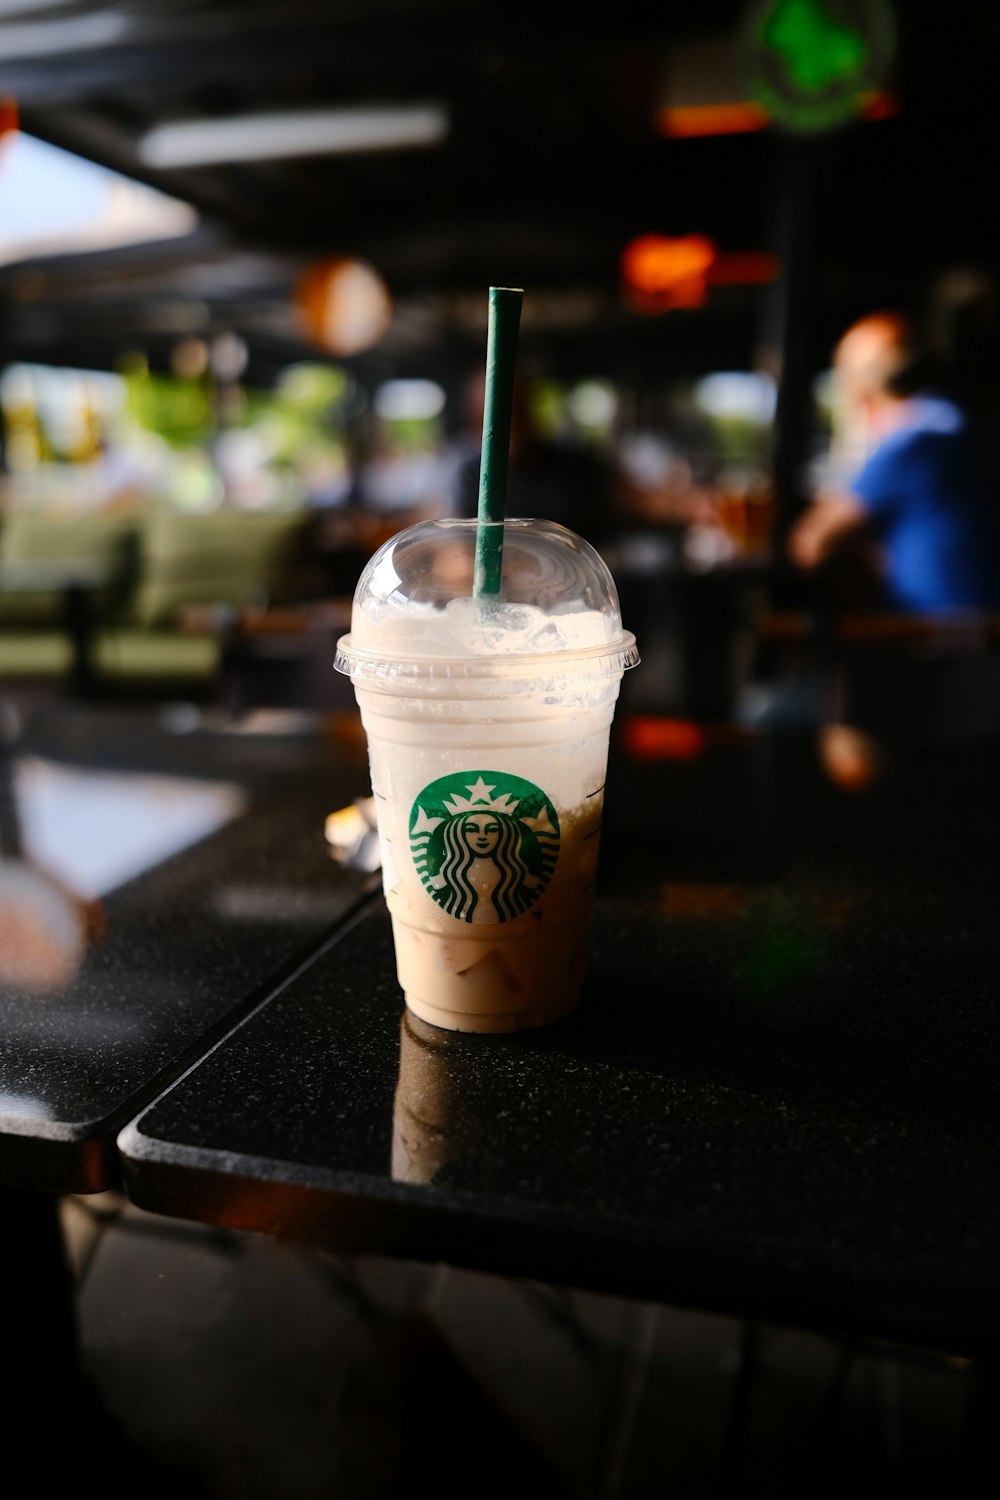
<point x="182" y="949"/>
<point x="177" y="953"/>
<point x="777" y="1098"/>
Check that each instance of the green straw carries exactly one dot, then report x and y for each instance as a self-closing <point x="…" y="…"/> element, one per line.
<point x="501" y="353"/>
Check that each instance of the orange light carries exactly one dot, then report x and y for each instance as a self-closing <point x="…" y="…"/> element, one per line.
<point x="652" y="738"/>
<point x="659" y="272"/>
<point x="8" y="115"/>
<point x="744" y="268"/>
<point x="343" y="306"/>
<point x="654" y="263"/>
<point x="741" y="117"/>
<point x="684" y="121"/>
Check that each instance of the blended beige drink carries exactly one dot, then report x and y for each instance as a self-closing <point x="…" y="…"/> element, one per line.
<point x="488" y="723"/>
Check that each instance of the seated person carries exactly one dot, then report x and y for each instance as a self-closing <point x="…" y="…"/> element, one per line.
<point x="927" y="489"/>
<point x="921" y="482"/>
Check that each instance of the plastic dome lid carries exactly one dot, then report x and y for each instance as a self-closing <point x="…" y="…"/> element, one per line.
<point x="414" y="610"/>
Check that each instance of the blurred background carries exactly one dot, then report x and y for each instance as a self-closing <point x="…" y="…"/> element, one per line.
<point x="245" y="255"/>
<point x="245" y="252"/>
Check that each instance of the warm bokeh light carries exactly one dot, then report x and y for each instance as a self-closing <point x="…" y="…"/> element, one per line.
<point x="650" y="737"/>
<point x="738" y="117"/>
<point x="8" y="116"/>
<point x="744" y="268"/>
<point x="853" y="759"/>
<point x="743" y="116"/>
<point x="670" y="271"/>
<point x="343" y="306"/>
<point x="660" y="272"/>
<point x="657" y="263"/>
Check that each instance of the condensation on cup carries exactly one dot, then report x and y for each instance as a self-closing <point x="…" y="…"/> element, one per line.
<point x="488" y="722"/>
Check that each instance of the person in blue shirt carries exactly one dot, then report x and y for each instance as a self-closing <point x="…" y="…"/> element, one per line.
<point x="926" y="487"/>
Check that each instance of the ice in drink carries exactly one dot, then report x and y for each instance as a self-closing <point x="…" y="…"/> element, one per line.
<point x="488" y="723"/>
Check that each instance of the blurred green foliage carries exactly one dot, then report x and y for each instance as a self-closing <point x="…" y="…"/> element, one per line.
<point x="178" y="410"/>
<point x="303" y="411"/>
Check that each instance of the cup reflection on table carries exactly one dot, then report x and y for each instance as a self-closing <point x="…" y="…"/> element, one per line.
<point x="431" y="1123"/>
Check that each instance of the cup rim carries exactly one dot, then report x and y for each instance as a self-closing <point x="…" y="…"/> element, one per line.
<point x="610" y="658"/>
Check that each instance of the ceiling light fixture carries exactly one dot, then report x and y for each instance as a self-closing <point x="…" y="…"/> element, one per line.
<point x="49" y="38"/>
<point x="314" y="132"/>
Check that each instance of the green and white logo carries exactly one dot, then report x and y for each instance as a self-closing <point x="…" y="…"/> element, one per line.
<point x="484" y="844"/>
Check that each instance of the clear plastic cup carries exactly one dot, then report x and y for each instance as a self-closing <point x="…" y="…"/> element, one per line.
<point x="488" y="721"/>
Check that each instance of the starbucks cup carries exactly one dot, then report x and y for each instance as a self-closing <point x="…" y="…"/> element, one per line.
<point x="488" y="722"/>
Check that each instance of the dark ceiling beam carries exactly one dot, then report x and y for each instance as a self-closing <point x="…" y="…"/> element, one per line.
<point x="196" y="50"/>
<point x="230" y="43"/>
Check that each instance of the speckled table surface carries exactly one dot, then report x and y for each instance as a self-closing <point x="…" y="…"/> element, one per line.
<point x="777" y="1097"/>
<point x="238" y="889"/>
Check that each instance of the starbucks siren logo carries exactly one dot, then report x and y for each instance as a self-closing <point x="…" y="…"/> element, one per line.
<point x="484" y="844"/>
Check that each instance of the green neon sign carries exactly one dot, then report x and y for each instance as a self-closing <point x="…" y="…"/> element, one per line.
<point x="812" y="63"/>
